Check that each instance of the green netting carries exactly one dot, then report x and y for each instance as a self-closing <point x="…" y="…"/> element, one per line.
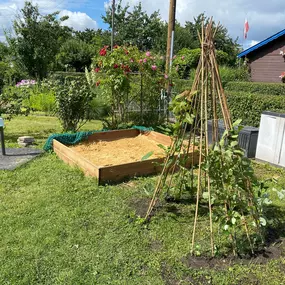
<point x="72" y="139"/>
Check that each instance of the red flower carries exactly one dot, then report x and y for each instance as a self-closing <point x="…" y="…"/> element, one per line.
<point x="126" y="68"/>
<point x="116" y="46"/>
<point x="103" y="51"/>
<point x="116" y="65"/>
<point x="126" y="52"/>
<point x="97" y="83"/>
<point x="97" y="69"/>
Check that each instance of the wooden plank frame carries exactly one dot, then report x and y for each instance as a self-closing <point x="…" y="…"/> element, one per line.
<point x="115" y="173"/>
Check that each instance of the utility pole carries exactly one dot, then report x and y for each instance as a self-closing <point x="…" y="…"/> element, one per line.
<point x="113" y="25"/>
<point x="169" y="52"/>
<point x="170" y="36"/>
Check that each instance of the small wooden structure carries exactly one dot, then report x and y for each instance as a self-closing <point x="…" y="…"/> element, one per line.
<point x="116" y="173"/>
<point x="265" y="59"/>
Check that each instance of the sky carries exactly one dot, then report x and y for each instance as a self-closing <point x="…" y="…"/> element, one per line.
<point x="265" y="17"/>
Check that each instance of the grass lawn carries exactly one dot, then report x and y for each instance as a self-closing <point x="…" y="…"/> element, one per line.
<point x="58" y="227"/>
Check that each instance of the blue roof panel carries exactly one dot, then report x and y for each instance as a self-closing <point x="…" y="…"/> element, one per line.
<point x="261" y="44"/>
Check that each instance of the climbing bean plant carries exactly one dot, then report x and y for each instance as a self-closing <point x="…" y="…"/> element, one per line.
<point x="237" y="197"/>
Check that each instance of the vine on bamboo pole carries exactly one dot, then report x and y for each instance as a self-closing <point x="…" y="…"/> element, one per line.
<point x="224" y="179"/>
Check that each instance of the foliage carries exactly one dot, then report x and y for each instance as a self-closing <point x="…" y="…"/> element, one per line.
<point x="136" y="27"/>
<point x="96" y="38"/>
<point x="237" y="197"/>
<point x="66" y="76"/>
<point x="118" y="75"/>
<point x="73" y="103"/>
<point x="41" y="98"/>
<point x="12" y="101"/>
<point x="76" y="54"/>
<point x="257" y="87"/>
<point x="190" y="39"/>
<point x="37" y="40"/>
<point x="249" y="106"/>
<point x="229" y="74"/>
<point x="188" y="59"/>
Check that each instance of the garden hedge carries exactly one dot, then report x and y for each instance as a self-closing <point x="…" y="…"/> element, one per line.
<point x="257" y="87"/>
<point x="69" y="76"/>
<point x="249" y="106"/>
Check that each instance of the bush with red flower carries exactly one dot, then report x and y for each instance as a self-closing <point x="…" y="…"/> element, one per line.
<point x="116" y="73"/>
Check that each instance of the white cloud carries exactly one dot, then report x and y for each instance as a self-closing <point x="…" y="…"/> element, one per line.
<point x="265" y="17"/>
<point x="79" y="21"/>
<point x="248" y="44"/>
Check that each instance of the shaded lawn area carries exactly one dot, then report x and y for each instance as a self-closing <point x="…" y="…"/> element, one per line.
<point x="58" y="227"/>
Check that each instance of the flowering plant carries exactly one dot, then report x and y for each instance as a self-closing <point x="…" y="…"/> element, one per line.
<point x="26" y="83"/>
<point x="115" y="71"/>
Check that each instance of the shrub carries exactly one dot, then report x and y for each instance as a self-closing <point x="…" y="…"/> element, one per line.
<point x="12" y="101"/>
<point x="233" y="74"/>
<point x="249" y="106"/>
<point x="41" y="98"/>
<point x="73" y="104"/>
<point x="128" y="80"/>
<point x="257" y="87"/>
<point x="188" y="59"/>
<point x="180" y="85"/>
<point x="228" y="74"/>
<point x="66" y="76"/>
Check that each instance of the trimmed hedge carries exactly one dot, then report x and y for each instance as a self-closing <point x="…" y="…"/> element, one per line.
<point x="257" y="87"/>
<point x="181" y="85"/>
<point x="249" y="106"/>
<point x="69" y="76"/>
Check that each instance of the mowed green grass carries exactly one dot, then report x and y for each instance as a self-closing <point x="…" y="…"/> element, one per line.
<point x="59" y="227"/>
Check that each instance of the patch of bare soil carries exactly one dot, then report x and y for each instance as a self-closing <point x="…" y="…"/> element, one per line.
<point x="140" y="205"/>
<point x="274" y="251"/>
<point x="107" y="153"/>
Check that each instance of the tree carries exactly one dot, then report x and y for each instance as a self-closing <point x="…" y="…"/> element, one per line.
<point x="37" y="40"/>
<point x="97" y="38"/>
<point x="136" y="27"/>
<point x="223" y="41"/>
<point x="76" y="53"/>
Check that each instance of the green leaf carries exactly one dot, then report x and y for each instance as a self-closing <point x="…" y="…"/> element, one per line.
<point x="205" y="195"/>
<point x="237" y="122"/>
<point x="148" y="155"/>
<point x="226" y="227"/>
<point x="162" y="147"/>
<point x="234" y="220"/>
<point x="262" y="221"/>
<point x="281" y="194"/>
<point x="234" y="143"/>
<point x="189" y="119"/>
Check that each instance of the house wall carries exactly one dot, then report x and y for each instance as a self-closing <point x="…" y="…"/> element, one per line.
<point x="266" y="63"/>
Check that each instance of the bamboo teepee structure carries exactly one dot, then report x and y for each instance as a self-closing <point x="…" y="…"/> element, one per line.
<point x="205" y="101"/>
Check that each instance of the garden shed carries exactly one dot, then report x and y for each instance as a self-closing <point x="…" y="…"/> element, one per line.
<point x="266" y="59"/>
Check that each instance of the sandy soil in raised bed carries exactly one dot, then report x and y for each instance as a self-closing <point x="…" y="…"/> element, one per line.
<point x="105" y="153"/>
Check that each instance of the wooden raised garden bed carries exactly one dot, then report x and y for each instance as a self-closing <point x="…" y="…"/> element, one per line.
<point x="113" y="156"/>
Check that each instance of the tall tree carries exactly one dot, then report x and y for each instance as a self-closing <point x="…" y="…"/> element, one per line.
<point x="135" y="27"/>
<point x="37" y="39"/>
<point x="223" y="41"/>
<point x="77" y="54"/>
<point x="97" y="38"/>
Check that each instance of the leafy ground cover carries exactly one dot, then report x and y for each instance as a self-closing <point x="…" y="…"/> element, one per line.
<point x="58" y="227"/>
